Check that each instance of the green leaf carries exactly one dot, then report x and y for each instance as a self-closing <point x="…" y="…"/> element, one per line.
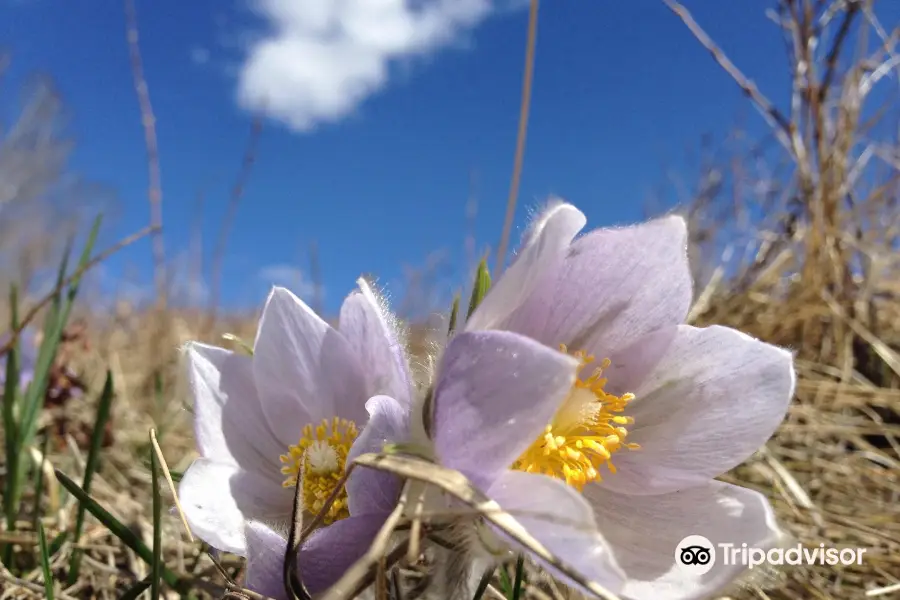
<point x="128" y="537"/>
<point x="136" y="590"/>
<point x="505" y="583"/>
<point x="54" y="324"/>
<point x="10" y="428"/>
<point x="454" y="315"/>
<point x="90" y="468"/>
<point x="45" y="562"/>
<point x="156" y="565"/>
<point x="56" y="321"/>
<point x="480" y="288"/>
<point x="58" y="541"/>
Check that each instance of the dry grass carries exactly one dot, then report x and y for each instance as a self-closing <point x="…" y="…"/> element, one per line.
<point x="806" y="259"/>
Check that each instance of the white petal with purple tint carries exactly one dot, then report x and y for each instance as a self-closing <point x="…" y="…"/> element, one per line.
<point x="550" y="235"/>
<point x="376" y="344"/>
<point x="495" y="394"/>
<point x="329" y="552"/>
<point x="371" y="491"/>
<point x="301" y="367"/>
<point x="562" y="521"/>
<point x="217" y="499"/>
<point x="714" y="399"/>
<point x="614" y="286"/>
<point x="229" y="424"/>
<point x="265" y="560"/>
<point x="644" y="532"/>
<point x="322" y="560"/>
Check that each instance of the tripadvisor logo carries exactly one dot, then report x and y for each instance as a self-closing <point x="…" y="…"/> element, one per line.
<point x="697" y="555"/>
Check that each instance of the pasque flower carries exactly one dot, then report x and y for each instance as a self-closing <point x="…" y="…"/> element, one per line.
<point x="657" y="411"/>
<point x="578" y="400"/>
<point x="491" y="386"/>
<point x="289" y="415"/>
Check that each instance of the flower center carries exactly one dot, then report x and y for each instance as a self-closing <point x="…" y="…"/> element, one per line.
<point x="318" y="461"/>
<point x="586" y="431"/>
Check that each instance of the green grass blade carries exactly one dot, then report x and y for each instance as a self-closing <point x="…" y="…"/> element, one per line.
<point x="505" y="583"/>
<point x="85" y="256"/>
<point x="480" y="288"/>
<point x="128" y="537"/>
<point x="454" y="315"/>
<point x="60" y="279"/>
<point x="34" y="397"/>
<point x="90" y="468"/>
<point x="39" y="482"/>
<point x="10" y="427"/>
<point x="45" y="562"/>
<point x="157" y="525"/>
<point x="160" y="404"/>
<point x="136" y="590"/>
<point x="57" y="317"/>
<point x="58" y="542"/>
<point x="520" y="576"/>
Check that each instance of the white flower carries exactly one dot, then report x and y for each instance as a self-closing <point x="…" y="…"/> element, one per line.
<point x="291" y="410"/>
<point x="658" y="411"/>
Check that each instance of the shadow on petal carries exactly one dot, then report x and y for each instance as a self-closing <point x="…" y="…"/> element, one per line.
<point x="645" y="531"/>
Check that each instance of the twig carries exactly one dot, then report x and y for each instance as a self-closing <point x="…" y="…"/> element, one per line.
<point x="237" y="192"/>
<point x="520" y="142"/>
<point x="165" y="469"/>
<point x="884" y="590"/>
<point x="149" y="122"/>
<point x="780" y="124"/>
<point x="836" y="45"/>
<point x="32" y="313"/>
<point x="295" y="540"/>
<point x="456" y="484"/>
<point x="33" y="587"/>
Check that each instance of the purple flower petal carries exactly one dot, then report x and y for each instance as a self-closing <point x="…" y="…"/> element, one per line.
<point x="644" y="532"/>
<point x="376" y="344"/>
<point x="229" y="424"/>
<point x="330" y="551"/>
<point x="323" y="559"/>
<point x="370" y="491"/>
<point x="265" y="560"/>
<point x="496" y="392"/>
<point x="302" y="367"/>
<point x="562" y="521"/>
<point x="714" y="399"/>
<point x="218" y="498"/>
<point x="614" y="286"/>
<point x="550" y="235"/>
<point x="631" y="365"/>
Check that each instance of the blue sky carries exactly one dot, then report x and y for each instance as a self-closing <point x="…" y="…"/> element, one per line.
<point x="373" y="134"/>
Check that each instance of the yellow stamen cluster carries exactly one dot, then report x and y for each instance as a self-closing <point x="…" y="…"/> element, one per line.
<point x="318" y="460"/>
<point x="585" y="432"/>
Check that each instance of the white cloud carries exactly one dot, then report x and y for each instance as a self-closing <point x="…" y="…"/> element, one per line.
<point x="289" y="277"/>
<point x="323" y="58"/>
<point x="199" y="55"/>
